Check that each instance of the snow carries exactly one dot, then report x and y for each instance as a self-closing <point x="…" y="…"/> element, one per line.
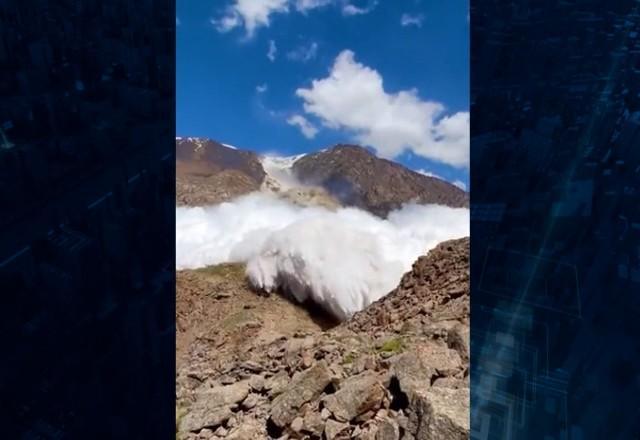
<point x="343" y="260"/>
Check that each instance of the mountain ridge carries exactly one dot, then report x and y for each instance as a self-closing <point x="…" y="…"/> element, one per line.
<point x="210" y="172"/>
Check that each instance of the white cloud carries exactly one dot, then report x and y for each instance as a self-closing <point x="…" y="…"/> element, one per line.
<point x="304" y="53"/>
<point x="353" y="98"/>
<point x="253" y="14"/>
<point x="250" y="13"/>
<point x="342" y="260"/>
<point x="411" y="20"/>
<point x="307" y="5"/>
<point x="348" y="9"/>
<point x="460" y="184"/>
<point x="261" y="88"/>
<point x="273" y="50"/>
<point x="307" y="128"/>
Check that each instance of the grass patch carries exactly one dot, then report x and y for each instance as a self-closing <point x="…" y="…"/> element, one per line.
<point x="393" y="345"/>
<point x="180" y="413"/>
<point x="349" y="358"/>
<point x="226" y="270"/>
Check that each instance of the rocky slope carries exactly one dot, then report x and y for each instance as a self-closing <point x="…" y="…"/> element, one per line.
<point x="253" y="367"/>
<point x="208" y="172"/>
<point x="356" y="177"/>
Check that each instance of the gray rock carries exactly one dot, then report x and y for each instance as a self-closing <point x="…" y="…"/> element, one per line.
<point x="297" y="424"/>
<point x="314" y="423"/>
<point x="357" y="395"/>
<point x="307" y="386"/>
<point x="213" y="406"/>
<point x="442" y="413"/>
<point x="387" y="430"/>
<point x="333" y="428"/>
<point x="444" y="360"/>
<point x="411" y="372"/>
<point x="458" y="339"/>
<point x="277" y="384"/>
<point x="251" y="401"/>
<point x="257" y="383"/>
<point x="247" y="430"/>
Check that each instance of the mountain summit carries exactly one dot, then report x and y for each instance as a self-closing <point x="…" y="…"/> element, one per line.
<point x="358" y="178"/>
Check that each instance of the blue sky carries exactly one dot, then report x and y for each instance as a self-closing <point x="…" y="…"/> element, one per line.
<point x="389" y="74"/>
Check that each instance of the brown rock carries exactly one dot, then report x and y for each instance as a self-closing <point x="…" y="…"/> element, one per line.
<point x="333" y="428"/>
<point x="442" y="414"/>
<point x="356" y="395"/>
<point x="387" y="430"/>
<point x="306" y="386"/>
<point x="212" y="407"/>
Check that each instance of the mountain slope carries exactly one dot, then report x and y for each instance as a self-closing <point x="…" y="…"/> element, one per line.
<point x="208" y="172"/>
<point x="356" y="177"/>
<point x="251" y="367"/>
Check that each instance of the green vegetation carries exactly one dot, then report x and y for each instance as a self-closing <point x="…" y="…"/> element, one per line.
<point x="226" y="270"/>
<point x="393" y="345"/>
<point x="180" y="413"/>
<point x="349" y="358"/>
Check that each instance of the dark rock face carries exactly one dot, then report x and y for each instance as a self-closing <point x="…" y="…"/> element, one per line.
<point x="208" y="172"/>
<point x="356" y="177"/>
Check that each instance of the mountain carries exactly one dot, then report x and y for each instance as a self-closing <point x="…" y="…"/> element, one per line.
<point x="356" y="177"/>
<point x="209" y="172"/>
<point x="261" y="367"/>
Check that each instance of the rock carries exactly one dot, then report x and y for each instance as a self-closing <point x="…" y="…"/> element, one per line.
<point x="387" y="430"/>
<point x="252" y="366"/>
<point x="458" y="339"/>
<point x="442" y="413"/>
<point x="411" y="373"/>
<point x="277" y="384"/>
<point x="213" y="407"/>
<point x="221" y="431"/>
<point x="325" y="413"/>
<point x="450" y="382"/>
<point x="297" y="424"/>
<point x="257" y="383"/>
<point x="247" y="430"/>
<point x="251" y="401"/>
<point x="333" y="428"/>
<point x="314" y="423"/>
<point x="445" y="361"/>
<point x="307" y="386"/>
<point x="356" y="395"/>
<point x="205" y="434"/>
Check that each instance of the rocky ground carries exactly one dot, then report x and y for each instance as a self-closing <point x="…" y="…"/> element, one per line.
<point x="254" y="367"/>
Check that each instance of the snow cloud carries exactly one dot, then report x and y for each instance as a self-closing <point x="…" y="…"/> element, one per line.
<point x="353" y="98"/>
<point x="307" y="128"/>
<point x="342" y="260"/>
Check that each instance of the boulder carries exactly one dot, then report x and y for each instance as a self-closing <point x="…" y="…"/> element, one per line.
<point x="307" y="386"/>
<point x="356" y="395"/>
<point x="442" y="413"/>
<point x="213" y="406"/>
